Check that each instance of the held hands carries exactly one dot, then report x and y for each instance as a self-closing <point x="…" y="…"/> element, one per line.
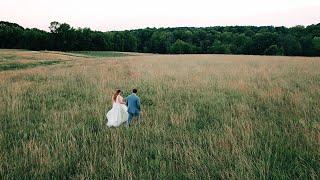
<point x="122" y="100"/>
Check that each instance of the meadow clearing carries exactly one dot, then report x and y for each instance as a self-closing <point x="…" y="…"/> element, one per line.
<point x="204" y="116"/>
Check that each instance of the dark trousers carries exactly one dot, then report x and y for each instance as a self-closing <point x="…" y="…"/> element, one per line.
<point x="131" y="116"/>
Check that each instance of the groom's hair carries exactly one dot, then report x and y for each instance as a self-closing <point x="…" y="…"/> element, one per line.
<point x="134" y="90"/>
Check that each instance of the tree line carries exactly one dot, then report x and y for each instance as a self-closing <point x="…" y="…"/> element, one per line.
<point x="264" y="40"/>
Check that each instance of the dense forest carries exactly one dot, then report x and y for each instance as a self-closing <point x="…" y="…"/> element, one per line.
<point x="265" y="40"/>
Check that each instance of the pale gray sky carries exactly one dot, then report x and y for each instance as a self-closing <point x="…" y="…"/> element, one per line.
<point x="107" y="15"/>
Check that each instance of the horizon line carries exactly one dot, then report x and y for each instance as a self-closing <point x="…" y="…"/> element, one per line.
<point x="163" y="27"/>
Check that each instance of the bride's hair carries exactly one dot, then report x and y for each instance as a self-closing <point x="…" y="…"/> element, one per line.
<point x="114" y="97"/>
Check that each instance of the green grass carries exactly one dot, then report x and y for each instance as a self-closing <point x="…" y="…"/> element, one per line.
<point x="204" y="117"/>
<point x="8" y="57"/>
<point x="18" y="65"/>
<point x="100" y="53"/>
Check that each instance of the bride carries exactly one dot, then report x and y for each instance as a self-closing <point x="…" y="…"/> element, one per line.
<point x="118" y="114"/>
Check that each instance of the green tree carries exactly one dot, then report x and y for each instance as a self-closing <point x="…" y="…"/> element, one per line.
<point x="54" y="26"/>
<point x="240" y="43"/>
<point x="274" y="50"/>
<point x="161" y="41"/>
<point x="307" y="46"/>
<point x="181" y="47"/>
<point x="130" y="42"/>
<point x="11" y="35"/>
<point x="291" y="45"/>
<point x="316" y="45"/>
<point x="35" y="39"/>
<point x="183" y="34"/>
<point x="143" y="37"/>
<point x="219" y="48"/>
<point x="261" y="41"/>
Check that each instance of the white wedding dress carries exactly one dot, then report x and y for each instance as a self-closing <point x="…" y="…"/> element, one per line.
<point x="118" y="114"/>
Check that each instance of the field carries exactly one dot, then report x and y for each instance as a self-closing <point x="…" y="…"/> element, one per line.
<point x="204" y="116"/>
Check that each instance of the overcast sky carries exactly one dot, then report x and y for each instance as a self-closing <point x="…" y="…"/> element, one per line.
<point x="108" y="15"/>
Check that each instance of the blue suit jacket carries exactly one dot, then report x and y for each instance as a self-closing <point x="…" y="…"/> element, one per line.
<point x="133" y="103"/>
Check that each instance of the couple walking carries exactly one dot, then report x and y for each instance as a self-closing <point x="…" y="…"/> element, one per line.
<point x="123" y="110"/>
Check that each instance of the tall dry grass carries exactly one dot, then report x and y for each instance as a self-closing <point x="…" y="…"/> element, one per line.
<point x="204" y="116"/>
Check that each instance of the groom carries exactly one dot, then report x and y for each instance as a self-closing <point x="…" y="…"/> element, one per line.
<point x="133" y="103"/>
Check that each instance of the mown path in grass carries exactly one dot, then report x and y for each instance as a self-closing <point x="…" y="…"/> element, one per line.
<point x="100" y="53"/>
<point x="17" y="65"/>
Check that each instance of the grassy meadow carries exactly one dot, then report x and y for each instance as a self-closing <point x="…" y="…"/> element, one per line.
<point x="204" y="116"/>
